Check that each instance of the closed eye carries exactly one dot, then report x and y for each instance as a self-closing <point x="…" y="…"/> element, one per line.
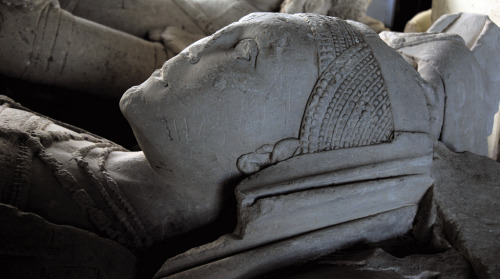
<point x="162" y="77"/>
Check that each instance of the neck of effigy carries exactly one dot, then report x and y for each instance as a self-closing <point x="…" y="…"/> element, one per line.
<point x="165" y="202"/>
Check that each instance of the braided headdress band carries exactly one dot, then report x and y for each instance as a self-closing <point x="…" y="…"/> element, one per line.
<point x="349" y="105"/>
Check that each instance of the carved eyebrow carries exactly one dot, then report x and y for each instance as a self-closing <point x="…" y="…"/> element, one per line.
<point x="195" y="51"/>
<point x="237" y="42"/>
<point x="163" y="78"/>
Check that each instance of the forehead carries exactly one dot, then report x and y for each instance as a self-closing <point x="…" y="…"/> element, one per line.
<point x="272" y="18"/>
<point x="263" y="27"/>
<point x="272" y="26"/>
<point x="270" y="31"/>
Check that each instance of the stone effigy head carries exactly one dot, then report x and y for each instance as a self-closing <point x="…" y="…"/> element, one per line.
<point x="269" y="87"/>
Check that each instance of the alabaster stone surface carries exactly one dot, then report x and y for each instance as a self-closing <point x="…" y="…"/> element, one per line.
<point x="376" y="263"/>
<point x="490" y="8"/>
<point x="104" y="47"/>
<point x="200" y="16"/>
<point x="311" y="131"/>
<point x="423" y="20"/>
<point x="466" y="193"/>
<point x="481" y="47"/>
<point x="472" y="38"/>
<point x="132" y="16"/>
<point x="42" y="43"/>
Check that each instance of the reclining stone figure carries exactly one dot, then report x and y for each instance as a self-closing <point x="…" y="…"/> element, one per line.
<point x="325" y="133"/>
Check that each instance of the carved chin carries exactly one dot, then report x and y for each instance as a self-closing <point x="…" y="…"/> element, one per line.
<point x="132" y="106"/>
<point x="129" y="100"/>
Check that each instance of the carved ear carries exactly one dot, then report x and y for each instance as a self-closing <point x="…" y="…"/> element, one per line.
<point x="246" y="50"/>
<point x="268" y="155"/>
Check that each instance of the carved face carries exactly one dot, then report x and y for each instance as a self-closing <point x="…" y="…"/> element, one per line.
<point x="225" y="95"/>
